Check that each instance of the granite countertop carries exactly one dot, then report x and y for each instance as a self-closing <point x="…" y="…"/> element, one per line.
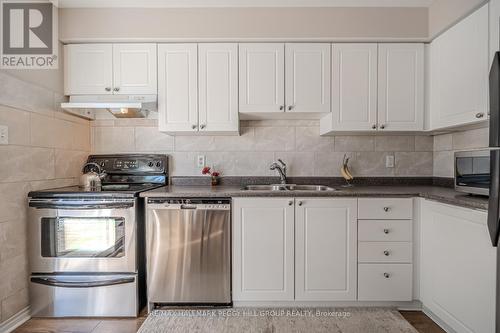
<point x="437" y="193"/>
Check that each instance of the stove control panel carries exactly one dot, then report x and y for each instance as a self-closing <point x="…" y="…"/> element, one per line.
<point x="132" y="163"/>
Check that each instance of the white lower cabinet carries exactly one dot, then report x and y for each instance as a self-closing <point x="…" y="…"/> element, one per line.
<point x="458" y="267"/>
<point x="263" y="246"/>
<point x="325" y="249"/>
<point x="384" y="282"/>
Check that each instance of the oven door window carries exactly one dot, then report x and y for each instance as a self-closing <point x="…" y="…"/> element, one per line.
<point x="83" y="237"/>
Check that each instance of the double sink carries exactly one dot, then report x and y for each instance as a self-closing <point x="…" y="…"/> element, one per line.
<point x="288" y="187"/>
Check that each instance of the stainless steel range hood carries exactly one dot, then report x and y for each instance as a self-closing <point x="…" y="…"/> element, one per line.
<point x="120" y="106"/>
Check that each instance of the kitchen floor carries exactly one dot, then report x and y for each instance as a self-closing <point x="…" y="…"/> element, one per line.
<point x="418" y="319"/>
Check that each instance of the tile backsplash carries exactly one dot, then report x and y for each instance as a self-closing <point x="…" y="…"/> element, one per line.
<point x="297" y="142"/>
<point x="445" y="145"/>
<point x="46" y="149"/>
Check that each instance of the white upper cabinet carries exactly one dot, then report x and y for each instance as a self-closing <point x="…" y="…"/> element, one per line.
<point x="104" y="69"/>
<point x="88" y="69"/>
<point x="198" y="88"/>
<point x="178" y="87"/>
<point x="401" y="87"/>
<point x="354" y="88"/>
<point x="325" y="249"/>
<point x="307" y="74"/>
<point x="262" y="77"/>
<point x="134" y="69"/>
<point x="263" y="247"/>
<point x="277" y="77"/>
<point x="459" y="68"/>
<point x="218" y="87"/>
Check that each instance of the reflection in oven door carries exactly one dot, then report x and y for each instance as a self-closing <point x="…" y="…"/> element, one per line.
<point x="82" y="238"/>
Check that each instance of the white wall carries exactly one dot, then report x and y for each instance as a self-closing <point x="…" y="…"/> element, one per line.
<point x="445" y="13"/>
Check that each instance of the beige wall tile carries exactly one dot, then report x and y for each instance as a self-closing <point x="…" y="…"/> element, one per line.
<point x="477" y="138"/>
<point x="13" y="238"/>
<point x="413" y="164"/>
<point x="424" y="143"/>
<point x="53" y="183"/>
<point x="443" y="164"/>
<point x="149" y="139"/>
<point x="14" y="303"/>
<point x="244" y="142"/>
<point x="20" y="163"/>
<point x="194" y="143"/>
<point x="354" y="143"/>
<point x="68" y="163"/>
<point x="308" y="139"/>
<point x="443" y="142"/>
<point x="80" y="137"/>
<point x="371" y="164"/>
<point x="298" y="163"/>
<point x="183" y="164"/>
<point x="329" y="164"/>
<point x="13" y="275"/>
<point x="13" y="200"/>
<point x="241" y="163"/>
<point x="25" y="96"/>
<point x="18" y="122"/>
<point x="394" y="143"/>
<point x="52" y="132"/>
<point x="274" y="138"/>
<point x="113" y="139"/>
<point x="134" y="122"/>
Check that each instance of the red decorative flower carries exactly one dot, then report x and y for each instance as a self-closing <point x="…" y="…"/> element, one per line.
<point x="205" y="170"/>
<point x="215" y="174"/>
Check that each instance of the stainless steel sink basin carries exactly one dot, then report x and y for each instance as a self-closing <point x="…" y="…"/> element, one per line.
<point x="288" y="187"/>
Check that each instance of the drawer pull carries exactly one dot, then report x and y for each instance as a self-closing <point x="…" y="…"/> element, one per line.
<point x="386" y="231"/>
<point x="387" y="275"/>
<point x="290" y="203"/>
<point x="386" y="253"/>
<point x="386" y="209"/>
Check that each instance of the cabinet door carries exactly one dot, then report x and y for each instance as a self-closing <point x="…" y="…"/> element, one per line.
<point x="262" y="77"/>
<point x="88" y="69"/>
<point x="325" y="249"/>
<point x="459" y="73"/>
<point x="263" y="243"/>
<point x="458" y="267"/>
<point x="401" y="87"/>
<point x="177" y="88"/>
<point x="218" y="87"/>
<point x="307" y="75"/>
<point x="134" y="69"/>
<point x="354" y="91"/>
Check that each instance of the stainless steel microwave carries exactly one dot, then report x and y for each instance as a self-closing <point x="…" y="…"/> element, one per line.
<point x="472" y="172"/>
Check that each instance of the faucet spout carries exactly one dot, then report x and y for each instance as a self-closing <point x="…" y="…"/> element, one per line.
<point x="281" y="169"/>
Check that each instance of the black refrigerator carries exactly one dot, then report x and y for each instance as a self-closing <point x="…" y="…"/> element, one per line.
<point x="494" y="144"/>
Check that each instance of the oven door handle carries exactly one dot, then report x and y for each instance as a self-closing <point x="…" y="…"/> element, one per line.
<point x="53" y="282"/>
<point x="80" y="204"/>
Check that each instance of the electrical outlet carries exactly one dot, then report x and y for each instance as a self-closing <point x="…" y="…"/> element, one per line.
<point x="201" y="161"/>
<point x="4" y="135"/>
<point x="389" y="161"/>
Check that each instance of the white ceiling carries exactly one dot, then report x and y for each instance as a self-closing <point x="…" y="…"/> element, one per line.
<point x="238" y="3"/>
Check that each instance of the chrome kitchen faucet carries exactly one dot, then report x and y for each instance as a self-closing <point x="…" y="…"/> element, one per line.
<point x="281" y="168"/>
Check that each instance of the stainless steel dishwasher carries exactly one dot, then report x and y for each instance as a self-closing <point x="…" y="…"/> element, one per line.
<point x="188" y="251"/>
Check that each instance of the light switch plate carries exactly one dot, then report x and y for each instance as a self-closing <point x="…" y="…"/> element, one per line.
<point x="201" y="161"/>
<point x="4" y="135"/>
<point x="389" y="161"/>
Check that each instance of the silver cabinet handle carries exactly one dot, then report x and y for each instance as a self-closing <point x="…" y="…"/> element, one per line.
<point x="116" y="89"/>
<point x="202" y="126"/>
<point x="382" y="126"/>
<point x="386" y="253"/>
<point x="107" y="88"/>
<point x="387" y="275"/>
<point x="479" y="115"/>
<point x="300" y="203"/>
<point x="193" y="126"/>
<point x="374" y="126"/>
<point x="282" y="107"/>
<point x="290" y="107"/>
<point x="290" y="203"/>
<point x="386" y="209"/>
<point x="386" y="231"/>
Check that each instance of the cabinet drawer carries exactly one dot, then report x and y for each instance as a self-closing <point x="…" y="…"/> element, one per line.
<point x="385" y="208"/>
<point x="385" y="282"/>
<point x="384" y="230"/>
<point x="396" y="252"/>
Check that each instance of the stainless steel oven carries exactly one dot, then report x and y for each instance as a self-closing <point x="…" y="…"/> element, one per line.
<point x="82" y="235"/>
<point x="472" y="171"/>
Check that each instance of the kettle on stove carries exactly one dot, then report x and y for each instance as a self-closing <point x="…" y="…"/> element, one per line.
<point x="91" y="180"/>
